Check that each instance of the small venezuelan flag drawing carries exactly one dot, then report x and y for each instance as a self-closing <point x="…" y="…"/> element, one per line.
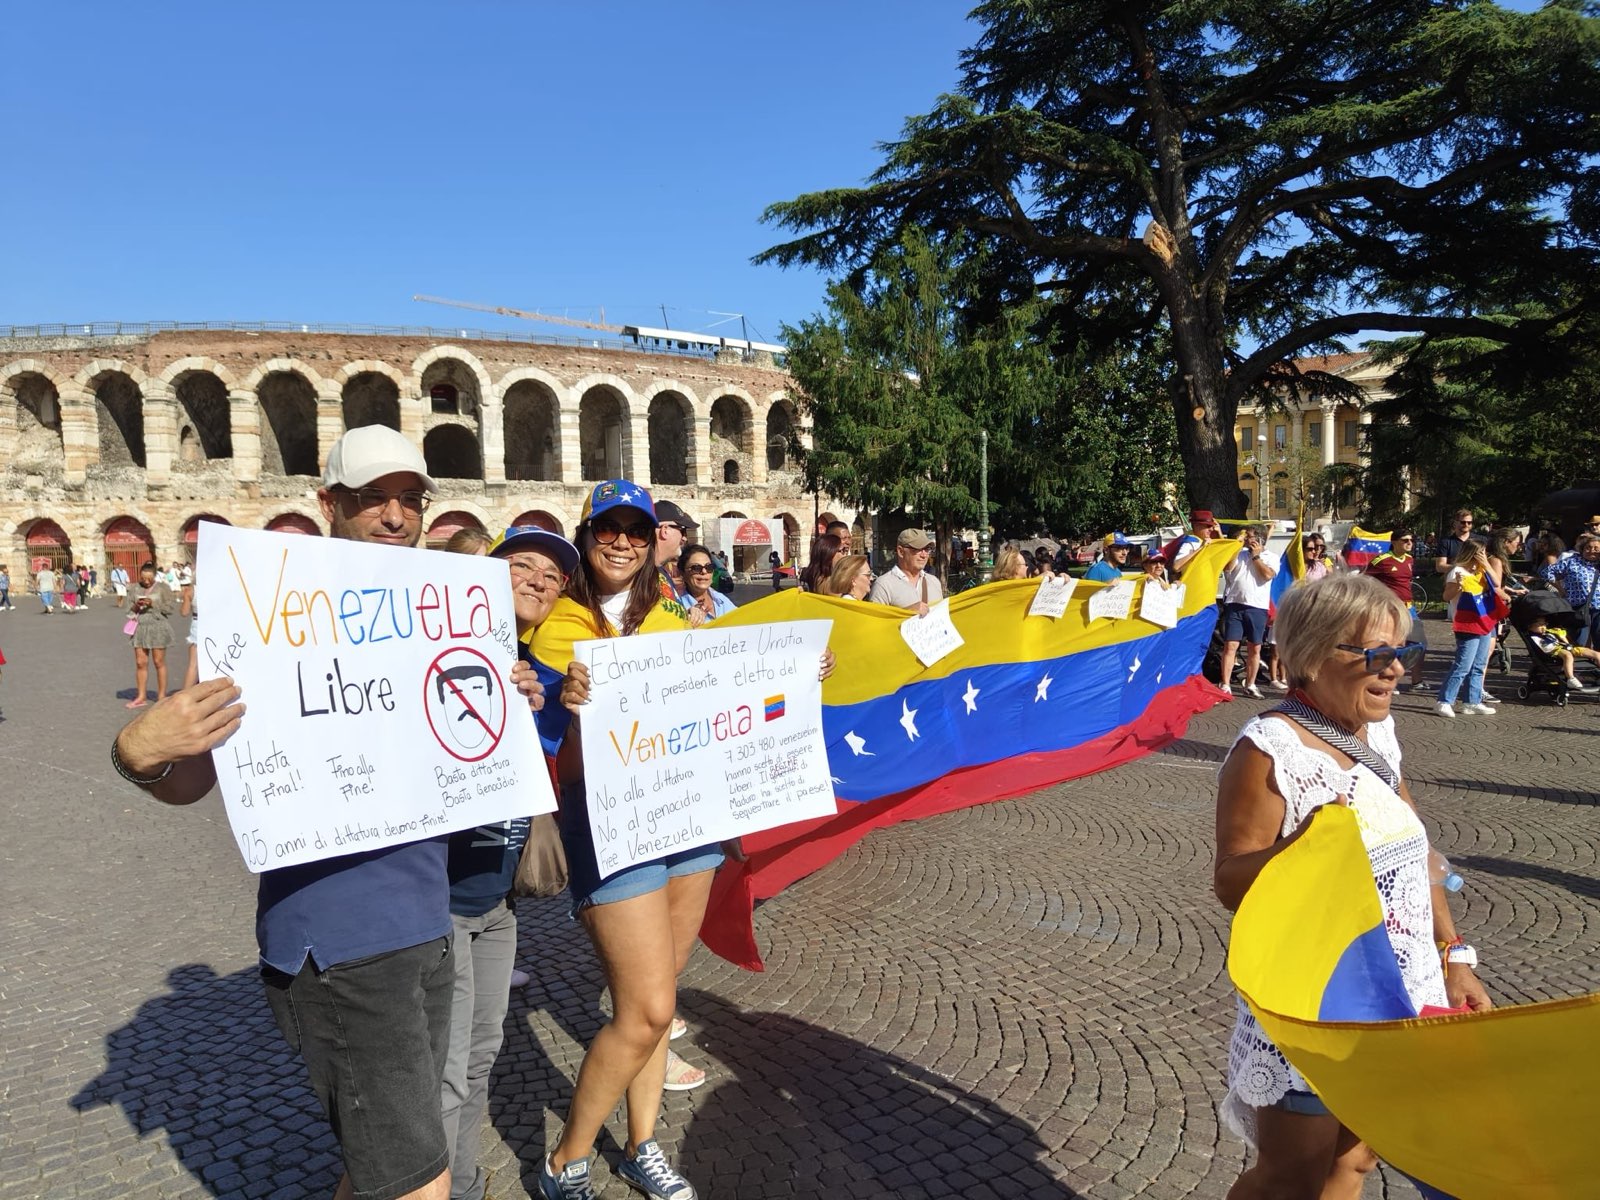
<point x="774" y="707"/>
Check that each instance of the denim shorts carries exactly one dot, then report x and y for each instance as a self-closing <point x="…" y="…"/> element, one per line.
<point x="1242" y="623"/>
<point x="638" y="880"/>
<point x="374" y="1034"/>
<point x="1305" y="1104"/>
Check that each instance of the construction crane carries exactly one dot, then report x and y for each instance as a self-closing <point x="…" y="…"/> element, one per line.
<point x="526" y="315"/>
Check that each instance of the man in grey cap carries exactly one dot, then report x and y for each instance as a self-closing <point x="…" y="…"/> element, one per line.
<point x="672" y="531"/>
<point x="374" y="1032"/>
<point x="909" y="584"/>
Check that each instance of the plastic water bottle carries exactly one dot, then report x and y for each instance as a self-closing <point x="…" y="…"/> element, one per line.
<point x="1442" y="873"/>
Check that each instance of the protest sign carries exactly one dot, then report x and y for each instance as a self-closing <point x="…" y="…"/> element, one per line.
<point x="376" y="681"/>
<point x="696" y="737"/>
<point x="1052" y="596"/>
<point x="933" y="636"/>
<point x="1114" y="600"/>
<point x="1160" y="605"/>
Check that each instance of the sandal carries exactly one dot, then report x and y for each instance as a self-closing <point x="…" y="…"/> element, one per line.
<point x="681" y="1027"/>
<point x="681" y="1077"/>
<point x="136" y="703"/>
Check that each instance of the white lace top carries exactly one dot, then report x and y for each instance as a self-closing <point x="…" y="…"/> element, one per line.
<point x="1258" y="1075"/>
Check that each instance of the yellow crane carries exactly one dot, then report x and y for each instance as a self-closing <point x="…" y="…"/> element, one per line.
<point x="525" y="314"/>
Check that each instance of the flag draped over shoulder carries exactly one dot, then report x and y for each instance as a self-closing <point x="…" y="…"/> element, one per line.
<point x="1362" y="546"/>
<point x="1479" y="605"/>
<point x="1024" y="703"/>
<point x="1478" y="1106"/>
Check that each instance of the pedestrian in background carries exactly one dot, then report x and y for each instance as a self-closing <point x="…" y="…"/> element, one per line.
<point x="5" y="589"/>
<point x="152" y="633"/>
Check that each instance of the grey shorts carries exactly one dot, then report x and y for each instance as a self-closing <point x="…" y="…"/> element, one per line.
<point x="374" y="1034"/>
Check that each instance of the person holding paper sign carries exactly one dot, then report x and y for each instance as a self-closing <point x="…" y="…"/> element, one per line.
<point x="645" y="919"/>
<point x="909" y="584"/>
<point x="1109" y="568"/>
<point x="356" y="953"/>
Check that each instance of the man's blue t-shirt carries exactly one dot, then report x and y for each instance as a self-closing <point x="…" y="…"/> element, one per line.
<point x="1103" y="572"/>
<point x="483" y="862"/>
<point x="353" y="906"/>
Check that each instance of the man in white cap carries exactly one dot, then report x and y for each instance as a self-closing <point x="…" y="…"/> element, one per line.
<point x="909" y="584"/>
<point x="356" y="951"/>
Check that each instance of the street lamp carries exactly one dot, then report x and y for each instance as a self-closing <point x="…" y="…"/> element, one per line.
<point x="984" y="557"/>
<point x="1256" y="462"/>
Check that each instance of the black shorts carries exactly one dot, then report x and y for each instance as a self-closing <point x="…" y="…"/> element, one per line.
<point x="1242" y="623"/>
<point x="374" y="1033"/>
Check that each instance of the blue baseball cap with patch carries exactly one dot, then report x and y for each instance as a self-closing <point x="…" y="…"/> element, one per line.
<point x="618" y="493"/>
<point x="530" y="537"/>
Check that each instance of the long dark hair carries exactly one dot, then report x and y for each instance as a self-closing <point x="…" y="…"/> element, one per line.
<point x="824" y="550"/>
<point x="644" y="591"/>
<point x="683" y="563"/>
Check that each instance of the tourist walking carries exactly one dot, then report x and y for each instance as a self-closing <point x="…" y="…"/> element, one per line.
<point x="45" y="582"/>
<point x="1332" y="741"/>
<point x="153" y="603"/>
<point x="69" y="589"/>
<point x="5" y="589"/>
<point x="119" y="583"/>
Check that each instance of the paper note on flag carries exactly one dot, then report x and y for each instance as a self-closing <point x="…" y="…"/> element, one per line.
<point x="1052" y="596"/>
<point x="377" y="689"/>
<point x="695" y="737"/>
<point x="1115" y="600"/>
<point x="1159" y="605"/>
<point x="933" y="636"/>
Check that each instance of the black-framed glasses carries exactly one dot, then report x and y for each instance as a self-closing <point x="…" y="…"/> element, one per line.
<point x="698" y="569"/>
<point x="369" y="498"/>
<point x="1381" y="658"/>
<point x="607" y="531"/>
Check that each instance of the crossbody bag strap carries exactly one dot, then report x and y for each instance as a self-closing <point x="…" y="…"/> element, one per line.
<point x="1303" y="714"/>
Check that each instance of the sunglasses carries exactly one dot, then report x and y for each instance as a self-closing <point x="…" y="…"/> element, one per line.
<point x="698" y="568"/>
<point x="1381" y="658"/>
<point x="607" y="531"/>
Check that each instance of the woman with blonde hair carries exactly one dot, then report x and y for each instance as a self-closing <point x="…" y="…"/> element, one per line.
<point x="1010" y="563"/>
<point x="850" y="579"/>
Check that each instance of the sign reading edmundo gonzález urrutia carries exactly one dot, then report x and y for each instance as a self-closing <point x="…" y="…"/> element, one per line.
<point x="696" y="737"/>
<point x="376" y="683"/>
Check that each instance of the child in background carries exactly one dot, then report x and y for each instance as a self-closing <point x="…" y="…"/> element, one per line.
<point x="1554" y="643"/>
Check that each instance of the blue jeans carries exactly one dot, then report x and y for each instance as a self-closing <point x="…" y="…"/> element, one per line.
<point x="1472" y="652"/>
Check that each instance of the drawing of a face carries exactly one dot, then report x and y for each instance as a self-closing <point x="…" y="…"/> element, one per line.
<point x="466" y="694"/>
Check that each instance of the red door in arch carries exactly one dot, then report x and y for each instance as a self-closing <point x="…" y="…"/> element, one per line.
<point x="540" y="518"/>
<point x="294" y="523"/>
<point x="129" y="546"/>
<point x="446" y="524"/>
<point x="191" y="530"/>
<point x="48" y="546"/>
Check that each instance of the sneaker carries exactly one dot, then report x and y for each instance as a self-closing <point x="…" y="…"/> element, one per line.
<point x="649" y="1171"/>
<point x="1445" y="710"/>
<point x="1575" y="684"/>
<point x="681" y="1077"/>
<point x="1278" y="685"/>
<point x="1226" y="689"/>
<point x="1252" y="691"/>
<point x="1477" y="710"/>
<point x="1488" y="699"/>
<point x="572" y="1183"/>
<point x="519" y="979"/>
<point x="1421" y="687"/>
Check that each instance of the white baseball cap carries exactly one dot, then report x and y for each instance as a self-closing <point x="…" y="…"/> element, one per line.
<point x="370" y="452"/>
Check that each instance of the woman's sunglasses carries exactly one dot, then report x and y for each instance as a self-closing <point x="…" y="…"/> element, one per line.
<point x="607" y="531"/>
<point x="1380" y="658"/>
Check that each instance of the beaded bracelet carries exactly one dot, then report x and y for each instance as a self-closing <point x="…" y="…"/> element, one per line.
<point x="122" y="769"/>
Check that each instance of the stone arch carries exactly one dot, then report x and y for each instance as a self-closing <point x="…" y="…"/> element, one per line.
<point x="32" y="392"/>
<point x="128" y="543"/>
<point x="741" y="558"/>
<point x="290" y="366"/>
<point x="453" y="367"/>
<point x="371" y="398"/>
<point x="541" y="517"/>
<point x="42" y="540"/>
<point x="195" y="362"/>
<point x="295" y="519"/>
<point x="205" y="422"/>
<point x="452" y="452"/>
<point x="671" y="434"/>
<point x="531" y="424"/>
<point x="604" y="437"/>
<point x="118" y="390"/>
<point x="782" y="426"/>
<point x="730" y="471"/>
<point x="444" y="524"/>
<point x="189" y="531"/>
<point x="732" y="432"/>
<point x="791" y="535"/>
<point x="288" y="399"/>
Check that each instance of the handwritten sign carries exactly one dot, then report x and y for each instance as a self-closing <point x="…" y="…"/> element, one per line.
<point x="693" y="738"/>
<point x="378" y="704"/>
<point x="933" y="636"/>
<point x="1052" y="597"/>
<point x="1159" y="605"/>
<point x="1114" y="600"/>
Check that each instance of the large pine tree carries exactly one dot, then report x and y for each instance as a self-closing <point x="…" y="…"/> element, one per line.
<point x="1263" y="176"/>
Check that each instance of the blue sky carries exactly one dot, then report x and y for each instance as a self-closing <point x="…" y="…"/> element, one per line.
<point x="322" y="163"/>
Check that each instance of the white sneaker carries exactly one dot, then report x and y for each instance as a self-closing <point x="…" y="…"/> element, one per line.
<point x="1445" y="710"/>
<point x="1226" y="689"/>
<point x="1278" y="685"/>
<point x="1574" y="684"/>
<point x="519" y="979"/>
<point x="1476" y="710"/>
<point x="1253" y="692"/>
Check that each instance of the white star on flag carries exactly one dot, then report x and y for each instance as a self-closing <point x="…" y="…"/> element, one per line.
<point x="971" y="697"/>
<point x="1043" y="692"/>
<point x="858" y="745"/>
<point x="908" y="720"/>
<point x="1133" y="670"/>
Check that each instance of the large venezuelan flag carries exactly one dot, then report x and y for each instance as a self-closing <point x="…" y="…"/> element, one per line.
<point x="1361" y="547"/>
<point x="1481" y="1106"/>
<point x="1025" y="702"/>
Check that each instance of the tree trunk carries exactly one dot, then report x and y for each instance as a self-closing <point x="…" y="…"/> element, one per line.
<point x="1203" y="406"/>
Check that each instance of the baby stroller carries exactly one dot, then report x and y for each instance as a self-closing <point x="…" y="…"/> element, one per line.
<point x="1545" y="673"/>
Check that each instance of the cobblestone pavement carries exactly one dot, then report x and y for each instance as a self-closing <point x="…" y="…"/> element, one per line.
<point x="1025" y="999"/>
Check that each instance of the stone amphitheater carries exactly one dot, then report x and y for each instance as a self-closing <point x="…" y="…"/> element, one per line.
<point x="117" y="442"/>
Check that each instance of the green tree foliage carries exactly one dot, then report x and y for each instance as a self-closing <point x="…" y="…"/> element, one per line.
<point x="1257" y="178"/>
<point x="899" y="378"/>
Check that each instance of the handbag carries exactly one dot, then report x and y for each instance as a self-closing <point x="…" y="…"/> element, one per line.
<point x="542" y="869"/>
<point x="130" y="626"/>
